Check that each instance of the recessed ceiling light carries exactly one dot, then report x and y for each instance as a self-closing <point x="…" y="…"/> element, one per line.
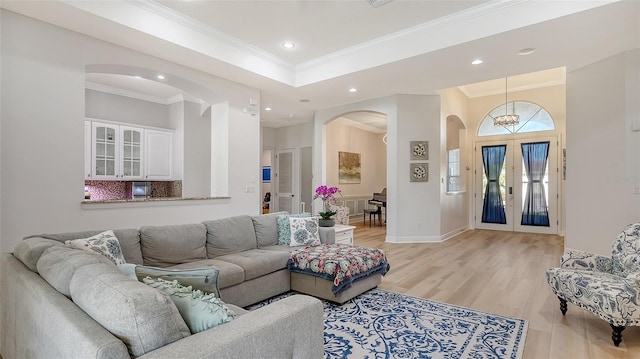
<point x="288" y="45"/>
<point x="267" y="108"/>
<point x="160" y="77"/>
<point x="476" y="62"/>
<point x="527" y="51"/>
<point x="353" y="89"/>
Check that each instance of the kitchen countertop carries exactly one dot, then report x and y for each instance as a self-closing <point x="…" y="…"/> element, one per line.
<point x="146" y="202"/>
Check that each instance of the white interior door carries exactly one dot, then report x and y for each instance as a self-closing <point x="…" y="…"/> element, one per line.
<point x="516" y="185"/>
<point x="287" y="181"/>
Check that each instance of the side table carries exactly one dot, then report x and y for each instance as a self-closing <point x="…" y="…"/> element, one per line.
<point x="344" y="234"/>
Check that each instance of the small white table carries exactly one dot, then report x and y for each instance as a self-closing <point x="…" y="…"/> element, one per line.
<point x="344" y="234"/>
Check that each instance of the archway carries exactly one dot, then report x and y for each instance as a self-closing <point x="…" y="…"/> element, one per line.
<point x="356" y="158"/>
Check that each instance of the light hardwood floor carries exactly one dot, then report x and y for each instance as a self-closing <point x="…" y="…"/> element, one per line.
<point x="502" y="273"/>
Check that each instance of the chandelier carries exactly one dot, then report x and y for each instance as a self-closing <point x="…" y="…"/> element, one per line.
<point x="507" y="120"/>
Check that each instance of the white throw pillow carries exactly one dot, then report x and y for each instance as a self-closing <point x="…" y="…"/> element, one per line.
<point x="304" y="231"/>
<point x="105" y="243"/>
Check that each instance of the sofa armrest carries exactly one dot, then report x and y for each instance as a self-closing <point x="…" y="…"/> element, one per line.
<point x="289" y="328"/>
<point x="327" y="235"/>
<point x="575" y="259"/>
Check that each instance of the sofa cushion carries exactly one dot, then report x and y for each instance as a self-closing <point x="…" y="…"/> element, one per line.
<point x="129" y="241"/>
<point x="281" y="248"/>
<point x="200" y="311"/>
<point x="29" y="250"/>
<point x="142" y="317"/>
<point x="204" y="279"/>
<point x="230" y="235"/>
<point x="164" y="246"/>
<point x="58" y="263"/>
<point x="258" y="262"/>
<point x="228" y="273"/>
<point x="304" y="231"/>
<point x="105" y="244"/>
<point x="266" y="228"/>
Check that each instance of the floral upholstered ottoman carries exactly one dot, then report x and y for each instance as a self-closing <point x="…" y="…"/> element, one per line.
<point x="336" y="272"/>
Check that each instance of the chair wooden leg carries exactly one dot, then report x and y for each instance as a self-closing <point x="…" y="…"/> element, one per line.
<point x="616" y="335"/>
<point x="563" y="306"/>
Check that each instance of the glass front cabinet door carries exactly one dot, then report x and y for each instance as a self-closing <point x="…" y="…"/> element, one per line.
<point x="105" y="154"/>
<point x="131" y="152"/>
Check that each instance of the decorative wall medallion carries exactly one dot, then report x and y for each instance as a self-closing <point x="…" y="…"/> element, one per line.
<point x="419" y="150"/>
<point x="419" y="172"/>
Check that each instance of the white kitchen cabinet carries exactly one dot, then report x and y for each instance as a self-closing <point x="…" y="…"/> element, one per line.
<point x="121" y="152"/>
<point x="105" y="154"/>
<point x="158" y="155"/>
<point x="131" y="155"/>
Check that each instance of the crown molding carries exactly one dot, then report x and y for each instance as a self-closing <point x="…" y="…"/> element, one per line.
<point x="141" y="96"/>
<point x="126" y="93"/>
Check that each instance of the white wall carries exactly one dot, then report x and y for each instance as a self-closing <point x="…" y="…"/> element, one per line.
<point x="373" y="158"/>
<point x="295" y="136"/>
<point x="196" y="176"/>
<point x="110" y="107"/>
<point x="42" y="143"/>
<point x="413" y="209"/>
<point x="603" y="154"/>
<point x="454" y="207"/>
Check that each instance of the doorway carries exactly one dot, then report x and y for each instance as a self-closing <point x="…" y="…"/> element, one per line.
<point x="293" y="179"/>
<point x="516" y="185"/>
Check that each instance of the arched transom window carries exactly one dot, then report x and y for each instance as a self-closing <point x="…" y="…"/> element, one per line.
<point x="533" y="118"/>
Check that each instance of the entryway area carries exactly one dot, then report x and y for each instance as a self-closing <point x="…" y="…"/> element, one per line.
<point x="516" y="185"/>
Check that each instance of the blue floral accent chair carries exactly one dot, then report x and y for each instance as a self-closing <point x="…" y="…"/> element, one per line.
<point x="606" y="287"/>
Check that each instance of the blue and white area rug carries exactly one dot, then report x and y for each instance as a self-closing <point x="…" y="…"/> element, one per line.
<point x="382" y="324"/>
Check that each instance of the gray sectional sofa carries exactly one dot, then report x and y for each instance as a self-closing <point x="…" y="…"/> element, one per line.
<point x="59" y="302"/>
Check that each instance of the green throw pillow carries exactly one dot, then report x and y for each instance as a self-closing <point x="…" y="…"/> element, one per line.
<point x="204" y="279"/>
<point x="199" y="310"/>
<point x="284" y="228"/>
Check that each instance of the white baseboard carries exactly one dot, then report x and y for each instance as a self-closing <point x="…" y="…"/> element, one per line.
<point x="454" y="233"/>
<point x="425" y="239"/>
<point x="413" y="239"/>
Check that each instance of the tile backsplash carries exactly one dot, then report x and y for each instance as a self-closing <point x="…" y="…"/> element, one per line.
<point x="117" y="190"/>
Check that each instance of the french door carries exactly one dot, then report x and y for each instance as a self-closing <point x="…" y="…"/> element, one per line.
<point x="516" y="185"/>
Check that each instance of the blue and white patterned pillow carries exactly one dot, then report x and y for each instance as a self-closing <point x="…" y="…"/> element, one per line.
<point x="105" y="243"/>
<point x="304" y="231"/>
<point x="284" y="228"/>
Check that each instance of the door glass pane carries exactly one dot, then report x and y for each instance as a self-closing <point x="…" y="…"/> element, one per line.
<point x="535" y="184"/>
<point x="111" y="134"/>
<point x="111" y="150"/>
<point x="494" y="184"/>
<point x="100" y="134"/>
<point x="111" y="168"/>
<point x="100" y="150"/>
<point x="135" y="168"/>
<point x="285" y="175"/>
<point x="100" y="168"/>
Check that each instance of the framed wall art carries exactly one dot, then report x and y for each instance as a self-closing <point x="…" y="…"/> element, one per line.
<point x="348" y="167"/>
<point x="419" y="172"/>
<point x="419" y="150"/>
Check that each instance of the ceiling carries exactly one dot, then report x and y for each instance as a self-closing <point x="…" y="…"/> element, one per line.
<point x="402" y="47"/>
